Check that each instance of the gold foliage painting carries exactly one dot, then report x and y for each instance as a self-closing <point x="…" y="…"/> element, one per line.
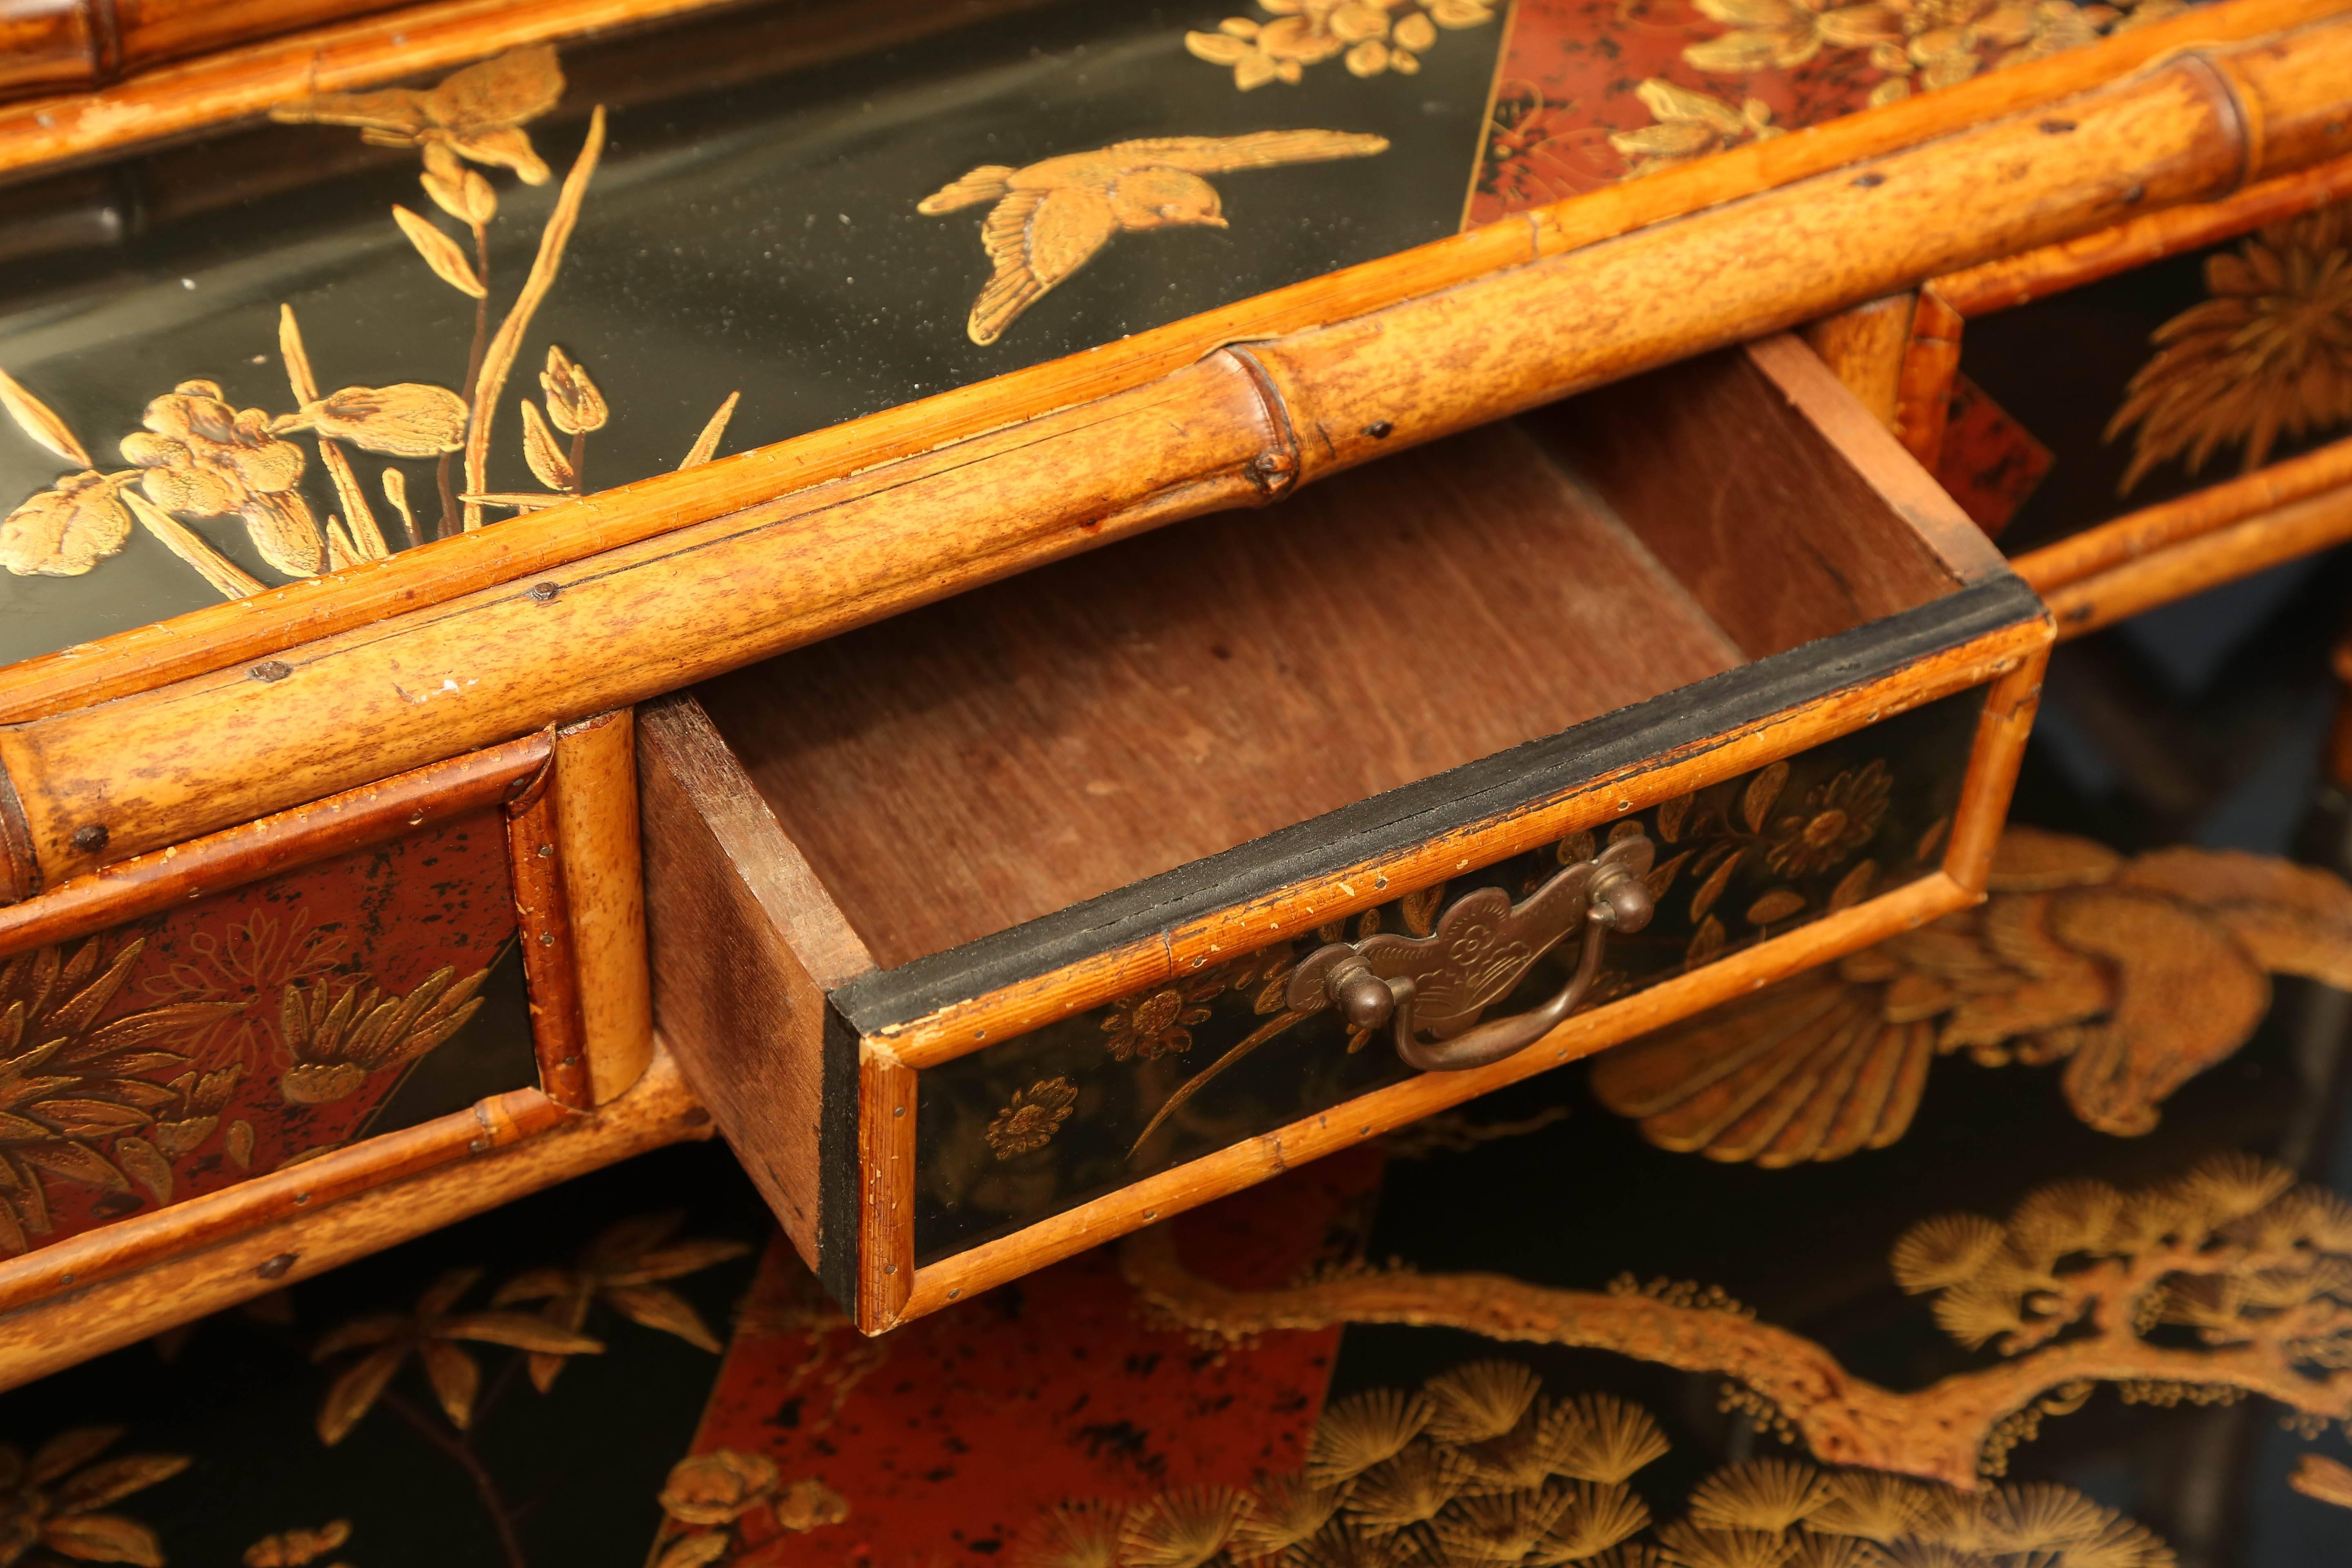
<point x="58" y="1501"/>
<point x="1052" y="217"/>
<point x="196" y="456"/>
<point x="1477" y="1466"/>
<point x="2226" y="1282"/>
<point x="1369" y="37"/>
<point x="2268" y="357"/>
<point x="2136" y="975"/>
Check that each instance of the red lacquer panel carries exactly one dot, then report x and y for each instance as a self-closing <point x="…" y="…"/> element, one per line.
<point x="176" y="1055"/>
<point x="962" y="1428"/>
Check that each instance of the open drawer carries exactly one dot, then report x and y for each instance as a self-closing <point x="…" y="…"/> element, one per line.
<point x="995" y="930"/>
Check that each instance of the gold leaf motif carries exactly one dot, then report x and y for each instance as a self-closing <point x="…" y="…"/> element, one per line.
<point x="38" y="420"/>
<point x="440" y="253"/>
<point x="548" y="464"/>
<point x="1704" y="942"/>
<point x="410" y="419"/>
<point x="718" y="1488"/>
<point x="1763" y="791"/>
<point x="1777" y="905"/>
<point x="147" y="1164"/>
<point x="239" y="1143"/>
<point x="808" y="1503"/>
<point x="706" y="445"/>
<point x="2317" y="1476"/>
<point x="395" y="490"/>
<point x="298" y="1548"/>
<point x="67" y="530"/>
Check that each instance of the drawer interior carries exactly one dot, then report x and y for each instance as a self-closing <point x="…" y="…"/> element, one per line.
<point x="991" y="759"/>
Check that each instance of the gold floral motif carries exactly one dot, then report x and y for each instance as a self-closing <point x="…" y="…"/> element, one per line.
<point x="1371" y="36"/>
<point x="718" y="1488"/>
<point x="624" y="1268"/>
<point x="1050" y="218"/>
<point x="337" y="1036"/>
<point x="48" y="1504"/>
<point x="67" y="1082"/>
<point x="1834" y="821"/>
<point x="1158" y="1021"/>
<point x="244" y="967"/>
<point x="2268" y="357"/>
<point x="434" y="1331"/>
<point x="298" y="1548"/>
<point x="1776" y="35"/>
<point x="1031" y="1117"/>
<point x="1689" y="125"/>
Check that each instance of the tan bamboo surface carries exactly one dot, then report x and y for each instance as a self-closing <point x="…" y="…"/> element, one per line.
<point x="543" y="930"/>
<point x="54" y="46"/>
<point x="1236" y="427"/>
<point x="596" y="836"/>
<point x="2138" y="534"/>
<point x="114" y="1287"/>
<point x="1171" y="1192"/>
<point x="2193" y="566"/>
<point x="227" y="635"/>
<point x="2016" y="280"/>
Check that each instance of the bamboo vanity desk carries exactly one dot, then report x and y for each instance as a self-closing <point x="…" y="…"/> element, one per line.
<point x="742" y="604"/>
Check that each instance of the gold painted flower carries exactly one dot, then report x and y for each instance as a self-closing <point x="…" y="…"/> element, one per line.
<point x="477" y="113"/>
<point x="48" y="1504"/>
<point x="1775" y="35"/>
<point x="718" y="1488"/>
<point x="2268" y="356"/>
<point x="67" y="529"/>
<point x="337" y="1038"/>
<point x="1689" y="125"/>
<point x="206" y="458"/>
<point x="1031" y="1118"/>
<point x="624" y="1268"/>
<point x="1158" y="1021"/>
<point x="1943" y="38"/>
<point x="1374" y="35"/>
<point x="1836" y="819"/>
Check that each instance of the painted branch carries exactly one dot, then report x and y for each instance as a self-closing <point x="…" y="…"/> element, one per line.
<point x="2145" y="532"/>
<point x="1234" y="428"/>
<point x="443" y="36"/>
<point x="2016" y="280"/>
<point x="137" y="1277"/>
<point x="1937" y="1433"/>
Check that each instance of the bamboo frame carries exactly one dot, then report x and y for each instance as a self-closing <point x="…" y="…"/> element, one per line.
<point x="892" y="1289"/>
<point x="544" y="929"/>
<point x="113" y="1287"/>
<point x="595" y="788"/>
<point x="214" y="639"/>
<point x="1218" y="432"/>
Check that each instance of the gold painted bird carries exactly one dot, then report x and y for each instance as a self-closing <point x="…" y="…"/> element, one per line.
<point x="2136" y="973"/>
<point x="1051" y="217"/>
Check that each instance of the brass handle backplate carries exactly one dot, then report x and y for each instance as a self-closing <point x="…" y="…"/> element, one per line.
<point x="1438" y="984"/>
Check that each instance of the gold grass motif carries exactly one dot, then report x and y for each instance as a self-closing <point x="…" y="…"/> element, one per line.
<point x="1051" y="217"/>
<point x="2256" y="1270"/>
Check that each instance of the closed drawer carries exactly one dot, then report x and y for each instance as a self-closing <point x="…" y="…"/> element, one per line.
<point x="240" y="1032"/>
<point x="996" y="929"/>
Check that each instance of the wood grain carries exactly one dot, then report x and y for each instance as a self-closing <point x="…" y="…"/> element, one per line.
<point x="114" y="1287"/>
<point x="1245" y="927"/>
<point x="595" y="796"/>
<point x="165" y="764"/>
<point x="979" y="763"/>
<point x="304" y="836"/>
<point x="2047" y="206"/>
<point x="543" y="929"/>
<point x="2015" y="280"/>
<point x="1864" y="348"/>
<point x="1169" y="1193"/>
<point x="745" y="943"/>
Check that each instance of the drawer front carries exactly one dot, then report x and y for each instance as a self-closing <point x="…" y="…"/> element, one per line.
<point x="1029" y="1127"/>
<point x="200" y="1041"/>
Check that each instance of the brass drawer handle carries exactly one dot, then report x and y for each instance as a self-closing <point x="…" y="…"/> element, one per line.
<point x="1480" y="949"/>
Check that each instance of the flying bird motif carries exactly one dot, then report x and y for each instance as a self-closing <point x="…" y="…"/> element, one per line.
<point x="2137" y="974"/>
<point x="1051" y="217"/>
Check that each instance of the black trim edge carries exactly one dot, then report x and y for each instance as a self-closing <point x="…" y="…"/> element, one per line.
<point x="839" y="1213"/>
